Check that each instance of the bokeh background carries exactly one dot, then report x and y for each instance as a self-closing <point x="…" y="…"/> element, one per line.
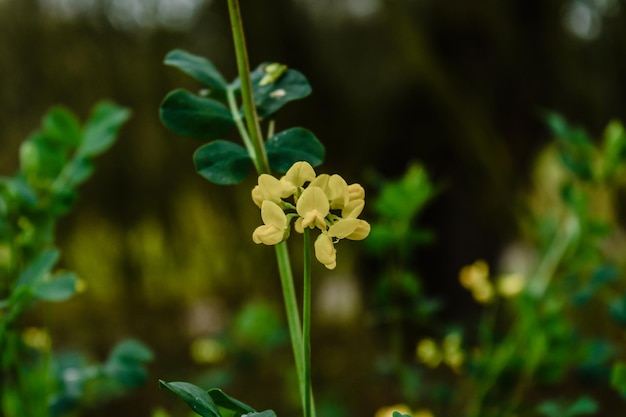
<point x="167" y="257"/>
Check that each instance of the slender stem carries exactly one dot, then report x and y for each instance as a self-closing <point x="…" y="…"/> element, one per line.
<point x="253" y="139"/>
<point x="241" y="128"/>
<point x="306" y="329"/>
<point x="293" y="315"/>
<point x="247" y="96"/>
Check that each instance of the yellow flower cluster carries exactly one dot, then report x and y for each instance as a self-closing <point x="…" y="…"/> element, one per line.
<point x="450" y="352"/>
<point x="475" y="277"/>
<point x="324" y="202"/>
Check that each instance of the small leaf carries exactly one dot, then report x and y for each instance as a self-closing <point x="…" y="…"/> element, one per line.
<point x="273" y="89"/>
<point x="40" y="159"/>
<point x="266" y="413"/>
<point x="618" y="377"/>
<point x="399" y="414"/>
<point x="222" y="400"/>
<point x="125" y="363"/>
<point x="36" y="270"/>
<point x="198" y="117"/>
<point x="102" y="127"/>
<point x="293" y="145"/>
<point x="77" y="171"/>
<point x="222" y="162"/>
<point x="197" y="67"/>
<point x="61" y="127"/>
<point x="195" y="397"/>
<point x="584" y="405"/>
<point x="59" y="288"/>
<point x="131" y="350"/>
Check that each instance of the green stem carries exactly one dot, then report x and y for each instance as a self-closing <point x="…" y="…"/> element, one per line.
<point x="243" y="68"/>
<point x="293" y="315"/>
<point x="306" y="329"/>
<point x="253" y="139"/>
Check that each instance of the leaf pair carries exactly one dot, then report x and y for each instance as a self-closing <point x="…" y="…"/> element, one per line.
<point x="212" y="403"/>
<point x="211" y="115"/>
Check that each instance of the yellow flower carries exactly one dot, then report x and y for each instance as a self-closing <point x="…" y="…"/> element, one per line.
<point x="475" y="277"/>
<point x="325" y="251"/>
<point x="335" y="188"/>
<point x="327" y="203"/>
<point x="428" y="352"/>
<point x="299" y="173"/>
<point x="313" y="208"/>
<point x="272" y="189"/>
<point x="510" y="285"/>
<point x="356" y="192"/>
<point x="275" y="228"/>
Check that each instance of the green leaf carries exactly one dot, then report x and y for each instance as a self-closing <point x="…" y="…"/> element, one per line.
<point x="222" y="162"/>
<point x="293" y="145"/>
<point x="77" y="171"/>
<point x="40" y="159"/>
<point x="61" y="127"/>
<point x="266" y="413"/>
<point x="131" y="350"/>
<point x="618" y="377"/>
<point x="222" y="400"/>
<point x="399" y="414"/>
<point x="198" y="117"/>
<point x="195" y="397"/>
<point x="125" y="363"/>
<point x="584" y="405"/>
<point x="59" y="288"/>
<point x="197" y="67"/>
<point x="36" y="270"/>
<point x="273" y="89"/>
<point x="102" y="127"/>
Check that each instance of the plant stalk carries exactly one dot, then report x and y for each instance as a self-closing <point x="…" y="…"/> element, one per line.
<point x="247" y="97"/>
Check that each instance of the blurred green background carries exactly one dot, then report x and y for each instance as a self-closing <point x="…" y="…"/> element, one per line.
<point x="168" y="258"/>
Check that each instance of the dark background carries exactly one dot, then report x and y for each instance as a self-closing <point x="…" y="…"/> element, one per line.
<point x="458" y="86"/>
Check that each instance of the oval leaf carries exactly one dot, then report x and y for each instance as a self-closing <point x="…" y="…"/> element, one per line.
<point x="195" y="397"/>
<point x="272" y="90"/>
<point x="59" y="288"/>
<point x="198" y="117"/>
<point x="197" y="67"/>
<point x="36" y="270"/>
<point x="222" y="400"/>
<point x="61" y="127"/>
<point x="102" y="127"/>
<point x="222" y="162"/>
<point x="293" y="145"/>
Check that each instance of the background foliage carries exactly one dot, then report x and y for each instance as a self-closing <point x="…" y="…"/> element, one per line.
<point x="459" y="86"/>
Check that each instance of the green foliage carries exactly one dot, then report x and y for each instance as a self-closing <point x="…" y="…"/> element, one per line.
<point x="215" y="113"/>
<point x="583" y="406"/>
<point x="54" y="161"/>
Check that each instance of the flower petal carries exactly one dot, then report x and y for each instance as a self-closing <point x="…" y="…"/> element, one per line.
<point x="313" y="207"/>
<point x="325" y="251"/>
<point x="361" y="232"/>
<point x="356" y="192"/>
<point x="299" y="173"/>
<point x="268" y="234"/>
<point x="337" y="192"/>
<point x="343" y="228"/>
<point x="273" y="215"/>
<point x="353" y="209"/>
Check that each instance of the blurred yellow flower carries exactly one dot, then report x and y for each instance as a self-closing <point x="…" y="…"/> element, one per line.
<point x="37" y="338"/>
<point x="428" y="352"/>
<point x="475" y="277"/>
<point x="510" y="285"/>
